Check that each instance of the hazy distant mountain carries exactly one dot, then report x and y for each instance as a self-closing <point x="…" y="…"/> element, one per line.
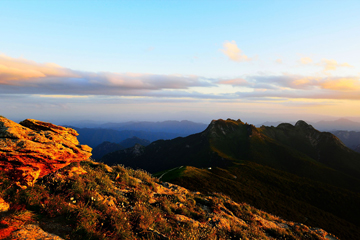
<point x="130" y="142"/>
<point x="340" y="124"/>
<point x="357" y="148"/>
<point x="104" y="148"/>
<point x="350" y="138"/>
<point x="108" y="147"/>
<point x="269" y="124"/>
<point x="181" y="128"/>
<point x="95" y="136"/>
<point x="326" y="125"/>
<point x="294" y="171"/>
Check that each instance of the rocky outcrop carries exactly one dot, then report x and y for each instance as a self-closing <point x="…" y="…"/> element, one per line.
<point x="32" y="231"/>
<point x="4" y="206"/>
<point x="33" y="149"/>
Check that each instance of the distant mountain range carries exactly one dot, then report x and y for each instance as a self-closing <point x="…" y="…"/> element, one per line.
<point x="95" y="136"/>
<point x="107" y="147"/>
<point x="182" y="128"/>
<point x="151" y="131"/>
<point x="346" y="130"/>
<point x="341" y="124"/>
<point x="350" y="138"/>
<point x="294" y="171"/>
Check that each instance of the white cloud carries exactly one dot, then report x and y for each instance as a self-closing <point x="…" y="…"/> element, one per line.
<point x="306" y="60"/>
<point x="232" y="51"/>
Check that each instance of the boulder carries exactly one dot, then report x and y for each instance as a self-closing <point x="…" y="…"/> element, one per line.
<point x="32" y="149"/>
<point x="4" y="206"/>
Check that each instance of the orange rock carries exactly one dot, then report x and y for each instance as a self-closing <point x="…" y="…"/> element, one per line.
<point x="33" y="149"/>
<point x="4" y="206"/>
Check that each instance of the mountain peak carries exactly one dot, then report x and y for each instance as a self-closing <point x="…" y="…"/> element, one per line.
<point x="303" y="124"/>
<point x="223" y="127"/>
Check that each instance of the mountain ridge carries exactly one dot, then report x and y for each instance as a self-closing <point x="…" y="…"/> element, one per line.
<point x="297" y="151"/>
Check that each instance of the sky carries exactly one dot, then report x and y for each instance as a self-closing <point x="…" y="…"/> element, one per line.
<point x="116" y="61"/>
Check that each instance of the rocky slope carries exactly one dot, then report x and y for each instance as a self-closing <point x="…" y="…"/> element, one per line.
<point x="89" y="200"/>
<point x="118" y="203"/>
<point x="33" y="149"/>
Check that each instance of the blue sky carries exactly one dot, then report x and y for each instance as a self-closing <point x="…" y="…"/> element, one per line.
<point x="196" y="60"/>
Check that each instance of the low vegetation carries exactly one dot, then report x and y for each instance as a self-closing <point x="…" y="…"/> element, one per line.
<point x="94" y="201"/>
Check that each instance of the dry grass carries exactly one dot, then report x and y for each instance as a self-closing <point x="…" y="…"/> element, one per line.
<point x="122" y="203"/>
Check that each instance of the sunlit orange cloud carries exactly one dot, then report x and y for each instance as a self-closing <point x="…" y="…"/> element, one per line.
<point x="21" y="76"/>
<point x="341" y="84"/>
<point x="232" y="51"/>
<point x="331" y="64"/>
<point x="15" y="69"/>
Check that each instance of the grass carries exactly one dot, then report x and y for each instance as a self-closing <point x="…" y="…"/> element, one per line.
<point x="286" y="195"/>
<point x="123" y="203"/>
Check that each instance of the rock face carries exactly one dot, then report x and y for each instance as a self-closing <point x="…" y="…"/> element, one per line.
<point x="33" y="149"/>
<point x="4" y="206"/>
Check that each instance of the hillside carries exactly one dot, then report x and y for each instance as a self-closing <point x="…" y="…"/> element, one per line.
<point x="108" y="147"/>
<point x="299" y="149"/>
<point x="298" y="172"/>
<point x="100" y="202"/>
<point x="82" y="199"/>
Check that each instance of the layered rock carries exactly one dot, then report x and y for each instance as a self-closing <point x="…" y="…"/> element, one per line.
<point x="33" y="149"/>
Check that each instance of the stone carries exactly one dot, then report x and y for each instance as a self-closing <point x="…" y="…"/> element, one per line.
<point x="32" y="149"/>
<point x="33" y="232"/>
<point x="4" y="206"/>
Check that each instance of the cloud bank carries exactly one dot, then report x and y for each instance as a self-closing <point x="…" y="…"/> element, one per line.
<point x="297" y="86"/>
<point x="28" y="77"/>
<point x="22" y="76"/>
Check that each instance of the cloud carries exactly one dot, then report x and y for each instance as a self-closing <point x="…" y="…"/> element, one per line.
<point x="235" y="82"/>
<point x="327" y="64"/>
<point x="272" y="82"/>
<point x="21" y="76"/>
<point x="298" y="82"/>
<point x="341" y="84"/>
<point x="27" y="77"/>
<point x="14" y="70"/>
<point x="232" y="51"/>
<point x="279" y="61"/>
<point x="306" y="60"/>
<point x="331" y="64"/>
